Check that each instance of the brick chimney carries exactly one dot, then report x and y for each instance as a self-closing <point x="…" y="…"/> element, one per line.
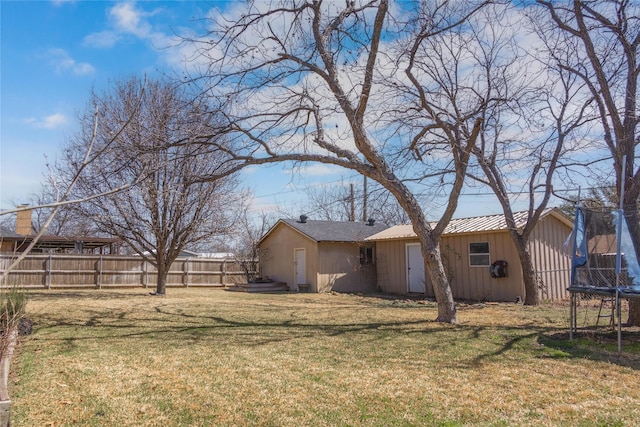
<point x="23" y="221"/>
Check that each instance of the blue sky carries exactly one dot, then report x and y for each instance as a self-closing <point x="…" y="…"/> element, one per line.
<point x="54" y="52"/>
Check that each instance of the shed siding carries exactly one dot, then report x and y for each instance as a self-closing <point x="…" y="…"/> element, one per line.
<point x="551" y="260"/>
<point x="277" y="256"/>
<point x="472" y="283"/>
<point x="391" y="261"/>
<point x="339" y="269"/>
<point x="475" y="283"/>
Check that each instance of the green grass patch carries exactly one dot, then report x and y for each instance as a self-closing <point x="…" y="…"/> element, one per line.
<point x="204" y="357"/>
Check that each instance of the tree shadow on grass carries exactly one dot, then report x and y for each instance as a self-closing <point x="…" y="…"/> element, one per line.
<point x="184" y="327"/>
<point x="550" y="342"/>
<point x="86" y="294"/>
<point x="180" y="327"/>
<point x="553" y="343"/>
<point x="595" y="344"/>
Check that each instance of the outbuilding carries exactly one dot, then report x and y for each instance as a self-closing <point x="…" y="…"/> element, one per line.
<point x="320" y="256"/>
<point x="480" y="258"/>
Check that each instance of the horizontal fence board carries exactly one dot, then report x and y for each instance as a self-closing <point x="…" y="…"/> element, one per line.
<point x="108" y="271"/>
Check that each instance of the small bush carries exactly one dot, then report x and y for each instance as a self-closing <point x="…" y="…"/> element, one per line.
<point x="13" y="304"/>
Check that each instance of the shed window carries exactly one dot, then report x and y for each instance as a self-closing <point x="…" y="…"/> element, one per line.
<point x="366" y="255"/>
<point x="479" y="254"/>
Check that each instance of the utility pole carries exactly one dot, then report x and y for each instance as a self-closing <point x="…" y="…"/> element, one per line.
<point x="352" y="216"/>
<point x="364" y="201"/>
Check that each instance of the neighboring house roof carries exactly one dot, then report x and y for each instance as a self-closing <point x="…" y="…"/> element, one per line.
<point x="217" y="255"/>
<point x="331" y="231"/>
<point x="5" y="233"/>
<point x="48" y="242"/>
<point x="478" y="224"/>
<point x="184" y="253"/>
<point x="21" y="237"/>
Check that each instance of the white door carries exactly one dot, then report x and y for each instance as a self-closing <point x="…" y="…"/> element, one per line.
<point x="301" y="268"/>
<point x="415" y="268"/>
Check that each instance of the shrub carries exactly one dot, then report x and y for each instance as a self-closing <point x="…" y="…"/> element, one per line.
<point x="13" y="304"/>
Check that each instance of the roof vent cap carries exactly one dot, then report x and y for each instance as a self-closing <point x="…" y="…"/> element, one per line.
<point x="371" y="222"/>
<point x="303" y="219"/>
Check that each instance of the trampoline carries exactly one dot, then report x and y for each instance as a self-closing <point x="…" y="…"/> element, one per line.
<point x="604" y="262"/>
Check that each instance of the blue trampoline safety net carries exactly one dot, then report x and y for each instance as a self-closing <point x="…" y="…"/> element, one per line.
<point x="603" y="253"/>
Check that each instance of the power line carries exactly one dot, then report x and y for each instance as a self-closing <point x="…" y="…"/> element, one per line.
<point x="465" y="194"/>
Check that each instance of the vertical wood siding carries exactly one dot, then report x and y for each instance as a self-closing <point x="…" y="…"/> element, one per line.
<point x="391" y="262"/>
<point x="551" y="262"/>
<point x="475" y="282"/>
<point x="277" y="256"/>
<point x="330" y="266"/>
<point x="551" y="259"/>
<point x="339" y="269"/>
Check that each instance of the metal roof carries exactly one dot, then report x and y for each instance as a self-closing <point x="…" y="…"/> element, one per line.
<point x="478" y="224"/>
<point x="332" y="231"/>
<point x="403" y="231"/>
<point x="49" y="242"/>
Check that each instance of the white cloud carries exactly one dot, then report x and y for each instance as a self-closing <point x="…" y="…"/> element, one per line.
<point x="127" y="18"/>
<point x="83" y="68"/>
<point x="103" y="39"/>
<point x="62" y="2"/>
<point x="53" y="121"/>
<point x="131" y="19"/>
<point x="63" y="62"/>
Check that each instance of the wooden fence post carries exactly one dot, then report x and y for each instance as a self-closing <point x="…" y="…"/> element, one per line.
<point x="224" y="272"/>
<point x="100" y="272"/>
<point x="185" y="269"/>
<point x="145" y="274"/>
<point x="48" y="270"/>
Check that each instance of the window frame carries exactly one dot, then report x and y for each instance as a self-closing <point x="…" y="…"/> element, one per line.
<point x="367" y="255"/>
<point x="484" y="255"/>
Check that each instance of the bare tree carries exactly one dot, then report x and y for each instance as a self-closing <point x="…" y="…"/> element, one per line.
<point x="166" y="211"/>
<point x="304" y="79"/>
<point x="66" y="222"/>
<point x="599" y="199"/>
<point x="249" y="232"/>
<point x="63" y="197"/>
<point x="530" y="115"/>
<point x="349" y="201"/>
<point x="604" y="39"/>
<point x="332" y="203"/>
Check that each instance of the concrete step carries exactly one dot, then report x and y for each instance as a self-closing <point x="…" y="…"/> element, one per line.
<point x="259" y="287"/>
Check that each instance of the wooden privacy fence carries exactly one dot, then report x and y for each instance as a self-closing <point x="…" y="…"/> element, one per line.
<point x="102" y="271"/>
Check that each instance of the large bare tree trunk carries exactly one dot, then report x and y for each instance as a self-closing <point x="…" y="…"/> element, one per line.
<point x="532" y="296"/>
<point x="435" y="269"/>
<point x="161" y="284"/>
<point x="323" y="69"/>
<point x="634" y="313"/>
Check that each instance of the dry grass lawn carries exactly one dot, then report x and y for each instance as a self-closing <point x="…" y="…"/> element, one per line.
<point x="206" y="357"/>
